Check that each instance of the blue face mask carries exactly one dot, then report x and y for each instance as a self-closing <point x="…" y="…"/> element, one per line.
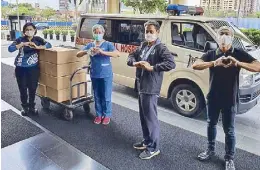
<point x="98" y="37"/>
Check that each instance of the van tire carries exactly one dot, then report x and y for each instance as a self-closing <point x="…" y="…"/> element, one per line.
<point x="197" y="99"/>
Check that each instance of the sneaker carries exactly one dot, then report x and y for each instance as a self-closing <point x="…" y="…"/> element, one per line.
<point x="206" y="155"/>
<point x="33" y="111"/>
<point x="140" y="145"/>
<point x="148" y="154"/>
<point x="230" y="165"/>
<point x="98" y="120"/>
<point x="106" y="121"/>
<point x="24" y="112"/>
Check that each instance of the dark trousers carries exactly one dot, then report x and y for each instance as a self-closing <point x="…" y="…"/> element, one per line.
<point x="27" y="80"/>
<point x="228" y="120"/>
<point x="102" y="88"/>
<point x="149" y="120"/>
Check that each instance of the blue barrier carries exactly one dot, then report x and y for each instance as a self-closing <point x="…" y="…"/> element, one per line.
<point x="241" y="23"/>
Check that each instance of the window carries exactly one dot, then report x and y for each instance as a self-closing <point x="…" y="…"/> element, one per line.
<point x="129" y="32"/>
<point x="190" y="35"/>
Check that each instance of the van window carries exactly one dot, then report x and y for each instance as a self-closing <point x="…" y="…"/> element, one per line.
<point x="87" y="24"/>
<point x="130" y="32"/>
<point x="190" y="35"/>
<point x="240" y="40"/>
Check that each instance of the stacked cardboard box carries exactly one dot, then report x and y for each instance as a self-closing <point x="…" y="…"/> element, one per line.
<point x="56" y="67"/>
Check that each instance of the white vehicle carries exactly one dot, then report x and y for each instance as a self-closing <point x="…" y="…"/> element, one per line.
<point x="187" y="36"/>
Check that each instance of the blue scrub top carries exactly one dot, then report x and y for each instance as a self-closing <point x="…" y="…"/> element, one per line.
<point x="101" y="66"/>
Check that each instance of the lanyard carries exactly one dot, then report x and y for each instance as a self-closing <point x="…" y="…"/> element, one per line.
<point x="146" y="52"/>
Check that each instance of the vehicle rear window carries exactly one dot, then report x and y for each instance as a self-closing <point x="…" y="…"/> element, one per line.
<point x="129" y="32"/>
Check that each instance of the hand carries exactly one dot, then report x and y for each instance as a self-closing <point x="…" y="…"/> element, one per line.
<point x="26" y="43"/>
<point x="219" y="62"/>
<point x="233" y="61"/>
<point x="137" y="64"/>
<point x="33" y="45"/>
<point x="145" y="65"/>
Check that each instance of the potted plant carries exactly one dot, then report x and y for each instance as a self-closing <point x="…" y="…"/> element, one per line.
<point x="64" y="33"/>
<point x="72" y="35"/>
<point x="57" y="32"/>
<point x="51" y="34"/>
<point x="45" y="33"/>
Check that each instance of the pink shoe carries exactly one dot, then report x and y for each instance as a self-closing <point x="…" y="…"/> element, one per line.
<point x="98" y="120"/>
<point x="106" y="121"/>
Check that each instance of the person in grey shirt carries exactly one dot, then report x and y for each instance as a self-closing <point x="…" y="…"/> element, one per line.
<point x="151" y="59"/>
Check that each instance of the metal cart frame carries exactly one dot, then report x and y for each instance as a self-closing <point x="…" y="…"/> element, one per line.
<point x="73" y="103"/>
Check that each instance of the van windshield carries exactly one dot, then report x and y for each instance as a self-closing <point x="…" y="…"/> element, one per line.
<point x="240" y="39"/>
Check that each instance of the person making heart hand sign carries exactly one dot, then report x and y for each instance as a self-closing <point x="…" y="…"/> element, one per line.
<point x="224" y="65"/>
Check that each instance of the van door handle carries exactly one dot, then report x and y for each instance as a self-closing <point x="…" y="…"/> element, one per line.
<point x="174" y="54"/>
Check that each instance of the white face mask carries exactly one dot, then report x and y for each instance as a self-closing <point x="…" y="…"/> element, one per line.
<point x="225" y="40"/>
<point x="150" y="37"/>
<point x="30" y="33"/>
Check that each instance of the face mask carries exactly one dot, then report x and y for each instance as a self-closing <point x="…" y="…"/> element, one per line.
<point x="30" y="33"/>
<point x="225" y="40"/>
<point x="98" y="37"/>
<point x="150" y="37"/>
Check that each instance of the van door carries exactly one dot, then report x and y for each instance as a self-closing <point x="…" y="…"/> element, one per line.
<point x="187" y="40"/>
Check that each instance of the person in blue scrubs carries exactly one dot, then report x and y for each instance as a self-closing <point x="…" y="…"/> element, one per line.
<point x="27" y="69"/>
<point x="101" y="73"/>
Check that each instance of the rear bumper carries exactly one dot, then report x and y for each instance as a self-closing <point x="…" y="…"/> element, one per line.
<point x="249" y="97"/>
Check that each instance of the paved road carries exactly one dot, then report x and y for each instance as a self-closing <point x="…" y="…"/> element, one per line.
<point x="182" y="138"/>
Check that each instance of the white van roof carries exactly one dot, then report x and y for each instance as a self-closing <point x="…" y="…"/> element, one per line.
<point x="150" y="16"/>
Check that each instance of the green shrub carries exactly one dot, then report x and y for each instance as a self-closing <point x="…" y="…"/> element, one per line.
<point x="50" y="31"/>
<point x="64" y="32"/>
<point x="253" y="34"/>
<point x="57" y="32"/>
<point x="45" y="31"/>
<point x="72" y="33"/>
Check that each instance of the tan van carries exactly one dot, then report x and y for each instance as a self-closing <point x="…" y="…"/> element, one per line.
<point x="187" y="36"/>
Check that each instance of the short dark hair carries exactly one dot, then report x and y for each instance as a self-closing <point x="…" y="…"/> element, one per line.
<point x="154" y="23"/>
<point x="29" y="24"/>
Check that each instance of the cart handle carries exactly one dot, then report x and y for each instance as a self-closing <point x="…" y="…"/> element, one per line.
<point x="79" y="69"/>
<point x="77" y="84"/>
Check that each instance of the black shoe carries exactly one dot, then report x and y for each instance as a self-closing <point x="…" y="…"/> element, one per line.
<point x="206" y="155"/>
<point x="24" y="112"/>
<point x="33" y="111"/>
<point x="230" y="165"/>
<point x="140" y="146"/>
<point x="148" y="154"/>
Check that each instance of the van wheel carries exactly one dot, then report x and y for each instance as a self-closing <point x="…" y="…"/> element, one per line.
<point x="187" y="100"/>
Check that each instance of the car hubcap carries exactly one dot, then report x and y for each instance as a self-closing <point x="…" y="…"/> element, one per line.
<point x="186" y="100"/>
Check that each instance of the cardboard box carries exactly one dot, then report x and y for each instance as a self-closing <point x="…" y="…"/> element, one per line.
<point x="42" y="66"/>
<point x="60" y="55"/>
<point x="63" y="69"/>
<point x="64" y="94"/>
<point x="59" y="83"/>
<point x="41" y="90"/>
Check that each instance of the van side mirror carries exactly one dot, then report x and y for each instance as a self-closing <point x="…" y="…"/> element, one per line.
<point x="210" y="46"/>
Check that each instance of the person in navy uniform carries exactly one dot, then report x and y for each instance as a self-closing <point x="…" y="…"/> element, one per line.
<point x="27" y="66"/>
<point x="101" y="73"/>
<point x="151" y="59"/>
<point x="224" y="66"/>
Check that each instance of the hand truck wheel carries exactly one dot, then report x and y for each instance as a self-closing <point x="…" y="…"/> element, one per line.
<point x="45" y="103"/>
<point x="68" y="114"/>
<point x="86" y="108"/>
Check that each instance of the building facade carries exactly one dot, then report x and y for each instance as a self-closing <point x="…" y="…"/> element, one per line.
<point x="246" y="6"/>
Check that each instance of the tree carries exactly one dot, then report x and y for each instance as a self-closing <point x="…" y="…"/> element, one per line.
<point x="146" y="6"/>
<point x="48" y="12"/>
<point x="5" y="12"/>
<point x="76" y="3"/>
